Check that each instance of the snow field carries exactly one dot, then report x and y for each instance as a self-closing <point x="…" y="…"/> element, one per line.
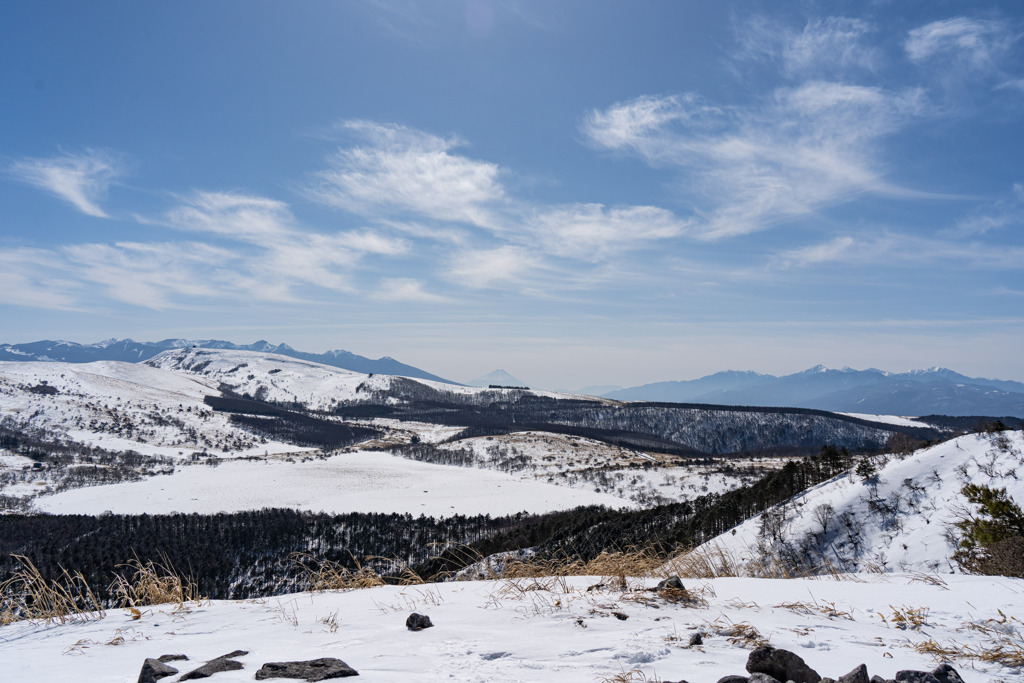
<point x="542" y="630"/>
<point x="351" y="482"/>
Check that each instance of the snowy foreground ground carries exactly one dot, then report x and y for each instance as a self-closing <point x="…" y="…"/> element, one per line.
<point x="546" y="630"/>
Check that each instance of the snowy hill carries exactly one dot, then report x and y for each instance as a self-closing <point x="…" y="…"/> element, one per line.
<point x="130" y="351"/>
<point x="899" y="520"/>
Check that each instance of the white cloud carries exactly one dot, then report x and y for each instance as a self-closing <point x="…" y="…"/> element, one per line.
<point x="28" y="277"/>
<point x="806" y="148"/>
<point x="80" y="179"/>
<point x="593" y="232"/>
<point x="242" y="217"/>
<point x="977" y="43"/>
<point x="1000" y="214"/>
<point x="406" y="289"/>
<point x="902" y="250"/>
<point x="483" y="268"/>
<point x="404" y="170"/>
<point x="825" y="47"/>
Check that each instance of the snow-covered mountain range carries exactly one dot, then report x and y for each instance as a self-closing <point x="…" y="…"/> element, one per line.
<point x="131" y="351"/>
<point x="936" y="391"/>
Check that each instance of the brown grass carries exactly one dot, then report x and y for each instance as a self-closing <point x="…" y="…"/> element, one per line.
<point x="152" y="583"/>
<point x="27" y="595"/>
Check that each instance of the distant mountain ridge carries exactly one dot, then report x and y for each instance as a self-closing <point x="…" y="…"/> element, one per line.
<point x="130" y="351"/>
<point x="918" y="392"/>
<point x="497" y="378"/>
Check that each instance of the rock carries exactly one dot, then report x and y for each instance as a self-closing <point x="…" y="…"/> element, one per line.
<point x="879" y="679"/>
<point x="826" y="679"/>
<point x="172" y="658"/>
<point x="672" y="582"/>
<point x="153" y="670"/>
<point x="311" y="670"/>
<point x="858" y="675"/>
<point x="763" y="678"/>
<point x="947" y="674"/>
<point x="222" y="663"/>
<point x="733" y="679"/>
<point x="915" y="677"/>
<point x="781" y="664"/>
<point x="418" y="622"/>
<point x="697" y="639"/>
<point x="621" y="616"/>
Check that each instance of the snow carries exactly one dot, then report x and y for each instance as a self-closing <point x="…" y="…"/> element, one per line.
<point x="542" y="630"/>
<point x="900" y="522"/>
<point x="350" y="482"/>
<point x="889" y="420"/>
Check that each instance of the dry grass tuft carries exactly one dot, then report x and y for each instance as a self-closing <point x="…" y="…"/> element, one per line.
<point x="324" y="575"/>
<point x="631" y="676"/>
<point x="28" y="596"/>
<point x="153" y="584"/>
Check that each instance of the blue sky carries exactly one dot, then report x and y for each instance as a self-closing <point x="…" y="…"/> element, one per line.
<point x="578" y="192"/>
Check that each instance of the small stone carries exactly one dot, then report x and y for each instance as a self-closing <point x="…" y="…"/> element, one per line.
<point x="878" y="679"/>
<point x="762" y="678"/>
<point x="858" y="675"/>
<point x="418" y="622"/>
<point x="172" y="658"/>
<point x="908" y="676"/>
<point x="672" y="583"/>
<point x="733" y="679"/>
<point x="621" y="616"/>
<point x="697" y="639"/>
<point x="947" y="674"/>
<point x="310" y="670"/>
<point x="153" y="670"/>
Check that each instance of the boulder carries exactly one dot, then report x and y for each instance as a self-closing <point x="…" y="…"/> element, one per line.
<point x="222" y="663"/>
<point x="418" y="622"/>
<point x="947" y="674"/>
<point x="858" y="675"/>
<point x="762" y="678"/>
<point x="153" y="670"/>
<point x="781" y="664"/>
<point x="908" y="676"/>
<point x="311" y="670"/>
<point x="733" y="679"/>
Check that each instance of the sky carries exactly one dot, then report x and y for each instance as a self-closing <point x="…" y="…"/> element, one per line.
<point x="581" y="193"/>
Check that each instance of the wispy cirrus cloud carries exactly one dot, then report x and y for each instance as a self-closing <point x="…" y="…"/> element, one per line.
<point x="746" y="168"/>
<point x="400" y="170"/>
<point x="1000" y="214"/>
<point x="594" y="232"/>
<point x="905" y="249"/>
<point x="79" y="179"/>
<point x="977" y="43"/>
<point x="825" y="47"/>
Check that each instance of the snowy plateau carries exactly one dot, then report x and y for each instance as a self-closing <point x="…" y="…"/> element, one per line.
<point x="208" y="431"/>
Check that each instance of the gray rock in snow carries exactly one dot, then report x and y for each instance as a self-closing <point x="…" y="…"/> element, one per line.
<point x="418" y="622"/>
<point x="946" y="673"/>
<point x="908" y="676"/>
<point x="222" y="663"/>
<point x="672" y="582"/>
<point x="310" y="670"/>
<point x="733" y="679"/>
<point x="153" y="670"/>
<point x="762" y="678"/>
<point x="858" y="675"/>
<point x="781" y="664"/>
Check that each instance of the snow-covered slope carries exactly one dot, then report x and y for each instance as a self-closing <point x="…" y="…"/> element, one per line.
<point x="543" y="630"/>
<point x="899" y="520"/>
<point x="123" y="406"/>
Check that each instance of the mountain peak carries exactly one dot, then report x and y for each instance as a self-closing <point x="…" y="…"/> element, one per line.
<point x="497" y="377"/>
